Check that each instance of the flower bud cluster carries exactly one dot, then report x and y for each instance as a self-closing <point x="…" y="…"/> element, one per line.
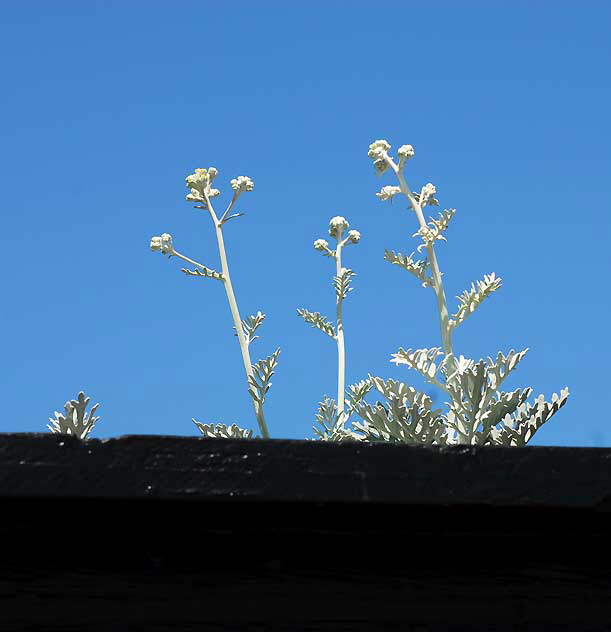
<point x="354" y="236"/>
<point x="199" y="183"/>
<point x="321" y="244"/>
<point x="388" y="192"/>
<point x="337" y="225"/>
<point x="201" y="179"/>
<point x="242" y="184"/>
<point x="163" y="244"/>
<point x="405" y="152"/>
<point x="426" y="193"/>
<point x="378" y="152"/>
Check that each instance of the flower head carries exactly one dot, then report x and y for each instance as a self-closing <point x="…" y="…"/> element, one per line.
<point x="388" y="192"/>
<point x="405" y="152"/>
<point x="337" y="225"/>
<point x="378" y="148"/>
<point x="378" y="152"/>
<point x="426" y="193"/>
<point x="201" y="179"/>
<point x="195" y="196"/>
<point x="321" y="244"/>
<point x="163" y="244"/>
<point x="241" y="184"/>
<point x="354" y="236"/>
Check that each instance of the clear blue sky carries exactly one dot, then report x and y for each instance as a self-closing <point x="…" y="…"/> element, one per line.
<point x="107" y="106"/>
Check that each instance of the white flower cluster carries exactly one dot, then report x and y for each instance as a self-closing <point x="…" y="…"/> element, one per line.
<point x="321" y="244"/>
<point x="337" y="225"/>
<point x="426" y="193"/>
<point x="199" y="182"/>
<point x="378" y="152"/>
<point x="405" y="152"/>
<point x="388" y="192"/>
<point x="354" y="236"/>
<point x="163" y="243"/>
<point x="242" y="183"/>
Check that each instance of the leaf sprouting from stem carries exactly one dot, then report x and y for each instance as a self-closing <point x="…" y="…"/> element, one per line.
<point x="318" y="320"/>
<point x="250" y="325"/>
<point x="259" y="382"/>
<point x="470" y="299"/>
<point x="221" y="431"/>
<point x="204" y="272"/>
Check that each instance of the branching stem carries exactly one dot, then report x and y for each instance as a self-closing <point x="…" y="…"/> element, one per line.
<point x="442" y="306"/>
<point x="233" y="306"/>
<point x="339" y="334"/>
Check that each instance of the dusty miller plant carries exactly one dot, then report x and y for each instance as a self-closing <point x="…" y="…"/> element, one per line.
<point x="75" y="421"/>
<point x="258" y="375"/>
<point x="332" y="415"/>
<point x="478" y="412"/>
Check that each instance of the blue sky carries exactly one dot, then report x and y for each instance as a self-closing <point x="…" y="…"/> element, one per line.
<point x="107" y="106"/>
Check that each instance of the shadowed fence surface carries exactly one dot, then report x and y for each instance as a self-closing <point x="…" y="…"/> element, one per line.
<point x="180" y="533"/>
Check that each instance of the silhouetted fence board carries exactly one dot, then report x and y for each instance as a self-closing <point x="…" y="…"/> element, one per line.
<point x="184" y="533"/>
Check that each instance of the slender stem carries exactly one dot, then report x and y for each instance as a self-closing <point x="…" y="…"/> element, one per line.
<point x="237" y="321"/>
<point x="442" y="306"/>
<point x="341" y="353"/>
<point x="175" y="253"/>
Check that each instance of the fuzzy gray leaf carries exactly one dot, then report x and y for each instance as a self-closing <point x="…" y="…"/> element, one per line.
<point x="317" y="320"/>
<point x="518" y="428"/>
<point x="416" y="267"/>
<point x="469" y="300"/>
<point x="472" y="388"/>
<point x="75" y="421"/>
<point x="204" y="272"/>
<point x="250" y="325"/>
<point x="341" y="283"/>
<point x="259" y="382"/>
<point x="406" y="418"/>
<point x="356" y="392"/>
<point x="422" y="360"/>
<point x="221" y="431"/>
<point x="331" y="427"/>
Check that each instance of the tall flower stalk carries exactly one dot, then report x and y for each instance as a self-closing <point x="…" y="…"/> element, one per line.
<point x="258" y="375"/>
<point x="341" y="282"/>
<point x="378" y="151"/>
<point x="479" y="413"/>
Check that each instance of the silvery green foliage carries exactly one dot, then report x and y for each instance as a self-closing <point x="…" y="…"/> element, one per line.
<point x="317" y="320"/>
<point x="250" y="325"/>
<point x="201" y="193"/>
<point x="221" y="431"/>
<point x="341" y="283"/>
<point x="407" y="417"/>
<point x="479" y="413"/>
<point x="332" y="424"/>
<point x="204" y="272"/>
<point x="259" y="381"/>
<point x="75" y="421"/>
<point x="470" y="299"/>
<point x="416" y="267"/>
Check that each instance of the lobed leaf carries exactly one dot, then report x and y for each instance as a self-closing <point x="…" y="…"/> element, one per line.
<point x="518" y="428"/>
<point x="341" y="283"/>
<point x="204" y="272"/>
<point x="418" y="267"/>
<point x="221" y="431"/>
<point x="75" y="421"/>
<point x="317" y="320"/>
<point x="250" y="325"/>
<point x="470" y="299"/>
<point x="259" y="381"/>
<point x="422" y="360"/>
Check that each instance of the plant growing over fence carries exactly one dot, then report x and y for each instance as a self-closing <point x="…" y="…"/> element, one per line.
<point x="478" y="412"/>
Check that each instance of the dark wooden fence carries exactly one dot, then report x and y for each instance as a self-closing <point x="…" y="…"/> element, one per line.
<point x="158" y="533"/>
